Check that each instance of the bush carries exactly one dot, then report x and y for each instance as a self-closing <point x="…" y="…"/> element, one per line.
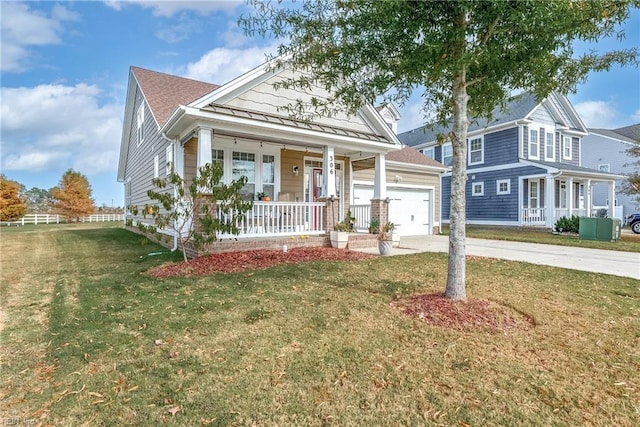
<point x="567" y="225"/>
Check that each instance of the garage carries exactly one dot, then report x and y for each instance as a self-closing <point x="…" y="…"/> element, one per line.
<point x="410" y="208"/>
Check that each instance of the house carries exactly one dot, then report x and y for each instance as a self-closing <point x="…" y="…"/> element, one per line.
<point x="306" y="167"/>
<point x="606" y="151"/>
<point x="523" y="166"/>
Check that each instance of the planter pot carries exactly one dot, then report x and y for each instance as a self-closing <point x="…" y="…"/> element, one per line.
<point x="339" y="239"/>
<point x="384" y="247"/>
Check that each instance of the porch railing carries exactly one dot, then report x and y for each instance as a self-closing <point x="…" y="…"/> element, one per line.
<point x="272" y="219"/>
<point x="574" y="212"/>
<point x="362" y="214"/>
<point x="534" y="216"/>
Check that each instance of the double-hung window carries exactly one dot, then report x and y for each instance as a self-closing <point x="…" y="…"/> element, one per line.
<point x="534" y="146"/>
<point x="429" y="152"/>
<point x="244" y="164"/>
<point x="549" y="147"/>
<point x="447" y="154"/>
<point x="269" y="175"/>
<point x="476" y="151"/>
<point x="566" y="147"/>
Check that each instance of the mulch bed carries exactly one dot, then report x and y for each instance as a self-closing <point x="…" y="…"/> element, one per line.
<point x="234" y="262"/>
<point x="436" y="310"/>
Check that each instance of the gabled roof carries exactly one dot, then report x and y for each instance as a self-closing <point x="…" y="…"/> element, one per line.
<point x="632" y="132"/>
<point x="518" y="107"/>
<point x="164" y="92"/>
<point x="611" y="134"/>
<point x="570" y="169"/>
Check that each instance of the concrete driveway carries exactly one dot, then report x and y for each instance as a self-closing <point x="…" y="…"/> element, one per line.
<point x="625" y="264"/>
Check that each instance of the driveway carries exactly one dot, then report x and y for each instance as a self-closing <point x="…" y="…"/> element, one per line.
<point x="625" y="264"/>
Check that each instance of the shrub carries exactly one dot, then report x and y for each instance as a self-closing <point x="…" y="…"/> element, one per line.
<point x="567" y="225"/>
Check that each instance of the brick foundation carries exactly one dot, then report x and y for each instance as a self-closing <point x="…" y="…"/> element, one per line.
<point x="380" y="211"/>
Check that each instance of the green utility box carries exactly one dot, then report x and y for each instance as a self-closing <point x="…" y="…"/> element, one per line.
<point x="603" y="229"/>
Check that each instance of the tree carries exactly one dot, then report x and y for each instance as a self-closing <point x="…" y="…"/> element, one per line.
<point x="465" y="57"/>
<point x="191" y="213"/>
<point x="72" y="196"/>
<point x="38" y="200"/>
<point x="12" y="203"/>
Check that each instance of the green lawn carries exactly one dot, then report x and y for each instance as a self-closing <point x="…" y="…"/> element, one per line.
<point x="88" y="339"/>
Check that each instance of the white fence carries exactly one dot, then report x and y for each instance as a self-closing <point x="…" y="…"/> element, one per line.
<point x="362" y="214"/>
<point x="57" y="219"/>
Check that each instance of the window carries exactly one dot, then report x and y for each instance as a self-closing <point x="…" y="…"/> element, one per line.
<point x="534" y="194"/>
<point x="140" y="124"/>
<point x="429" y="152"/>
<point x="477" y="189"/>
<point x="566" y="147"/>
<point x="269" y="175"/>
<point x="533" y="144"/>
<point x="447" y="154"/>
<point x="503" y="186"/>
<point x="244" y="164"/>
<point x="550" y="148"/>
<point x="476" y="151"/>
<point x="604" y="168"/>
<point x="156" y="168"/>
<point x="169" y="159"/>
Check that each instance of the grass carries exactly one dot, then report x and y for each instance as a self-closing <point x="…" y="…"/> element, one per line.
<point x="88" y="339"/>
<point x="627" y="242"/>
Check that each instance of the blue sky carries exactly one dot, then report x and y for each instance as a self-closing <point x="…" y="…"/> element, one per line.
<point x="64" y="71"/>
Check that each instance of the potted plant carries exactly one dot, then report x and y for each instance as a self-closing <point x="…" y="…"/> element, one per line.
<point x="385" y="242"/>
<point x="263" y="196"/>
<point x="340" y="233"/>
<point x="374" y="225"/>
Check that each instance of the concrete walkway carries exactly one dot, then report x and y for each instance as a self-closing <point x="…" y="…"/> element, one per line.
<point x="625" y="264"/>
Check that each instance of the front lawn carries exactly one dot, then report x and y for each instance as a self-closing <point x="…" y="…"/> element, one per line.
<point x="88" y="338"/>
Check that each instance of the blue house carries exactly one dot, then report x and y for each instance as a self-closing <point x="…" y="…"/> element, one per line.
<point x="606" y="150"/>
<point x="523" y="167"/>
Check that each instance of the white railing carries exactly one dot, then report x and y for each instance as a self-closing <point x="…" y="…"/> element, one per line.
<point x="574" y="212"/>
<point x="270" y="219"/>
<point x="362" y="214"/>
<point x="57" y="219"/>
<point x="534" y="216"/>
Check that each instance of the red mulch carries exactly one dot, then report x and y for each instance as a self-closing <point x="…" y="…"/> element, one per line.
<point x="233" y="262"/>
<point x="436" y="310"/>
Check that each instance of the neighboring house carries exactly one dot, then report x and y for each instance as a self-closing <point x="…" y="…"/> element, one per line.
<point x="523" y="167"/>
<point x="413" y="189"/>
<point x="306" y="167"/>
<point x="606" y="151"/>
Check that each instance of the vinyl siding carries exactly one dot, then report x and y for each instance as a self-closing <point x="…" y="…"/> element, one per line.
<point x="499" y="148"/>
<point x="541" y="115"/>
<point x="139" y="169"/>
<point x="265" y="98"/>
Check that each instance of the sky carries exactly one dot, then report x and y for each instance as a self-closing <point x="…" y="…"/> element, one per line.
<point x="65" y="67"/>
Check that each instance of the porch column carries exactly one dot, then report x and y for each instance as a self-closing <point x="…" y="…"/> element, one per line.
<point x="204" y="146"/>
<point x="570" y="197"/>
<point x="587" y="199"/>
<point x="329" y="172"/>
<point x="549" y="201"/>
<point x="612" y="199"/>
<point x="178" y="159"/>
<point x="380" y="179"/>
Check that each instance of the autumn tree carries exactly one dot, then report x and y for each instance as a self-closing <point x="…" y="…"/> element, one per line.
<point x="464" y="57"/>
<point x="12" y="204"/>
<point x="38" y="200"/>
<point x="192" y="212"/>
<point x="72" y="196"/>
<point x="631" y="185"/>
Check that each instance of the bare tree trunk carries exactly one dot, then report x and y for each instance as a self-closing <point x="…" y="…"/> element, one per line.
<point x="457" y="234"/>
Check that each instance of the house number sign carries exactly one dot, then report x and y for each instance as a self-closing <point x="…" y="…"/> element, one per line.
<point x="331" y="165"/>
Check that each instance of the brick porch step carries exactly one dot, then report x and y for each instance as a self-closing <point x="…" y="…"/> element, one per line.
<point x="362" y="240"/>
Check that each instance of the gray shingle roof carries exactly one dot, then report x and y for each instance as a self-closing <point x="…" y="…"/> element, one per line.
<point x="516" y="108"/>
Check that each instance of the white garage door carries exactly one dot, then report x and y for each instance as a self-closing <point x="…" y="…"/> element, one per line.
<point x="410" y="209"/>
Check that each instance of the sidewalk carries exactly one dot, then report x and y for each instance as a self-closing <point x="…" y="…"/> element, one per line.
<point x="625" y="264"/>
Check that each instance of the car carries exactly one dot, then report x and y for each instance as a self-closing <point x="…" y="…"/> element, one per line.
<point x="633" y="221"/>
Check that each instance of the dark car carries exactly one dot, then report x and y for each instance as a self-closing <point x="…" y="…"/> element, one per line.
<point x="633" y="221"/>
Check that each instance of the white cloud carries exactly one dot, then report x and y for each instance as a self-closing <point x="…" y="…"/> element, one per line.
<point x="54" y="126"/>
<point x="168" y="8"/>
<point x="598" y="114"/>
<point x="221" y="65"/>
<point x="22" y="28"/>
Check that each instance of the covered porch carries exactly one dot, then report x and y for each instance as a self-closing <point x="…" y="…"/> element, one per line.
<point x="565" y="193"/>
<point x="299" y="175"/>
